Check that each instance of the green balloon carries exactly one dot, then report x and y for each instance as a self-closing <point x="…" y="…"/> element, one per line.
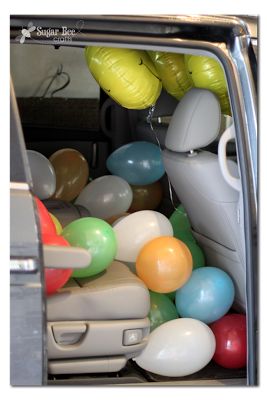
<point x="171" y="295"/>
<point x="197" y="254"/>
<point x="98" y="237"/>
<point x="181" y="225"/>
<point x="162" y="310"/>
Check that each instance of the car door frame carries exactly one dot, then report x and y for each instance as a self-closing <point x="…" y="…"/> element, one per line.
<point x="228" y="39"/>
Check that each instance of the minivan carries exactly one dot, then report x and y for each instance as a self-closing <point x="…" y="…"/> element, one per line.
<point x="55" y="103"/>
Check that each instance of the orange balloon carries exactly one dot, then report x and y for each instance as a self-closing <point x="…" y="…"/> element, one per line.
<point x="146" y="197"/>
<point x="114" y="218"/>
<point x="164" y="264"/>
<point x="72" y="173"/>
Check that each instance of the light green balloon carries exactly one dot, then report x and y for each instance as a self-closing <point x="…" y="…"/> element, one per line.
<point x="98" y="237"/>
<point x="162" y="310"/>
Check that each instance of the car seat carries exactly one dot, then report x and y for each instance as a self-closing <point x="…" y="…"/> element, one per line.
<point x="208" y="184"/>
<point x="66" y="212"/>
<point x="96" y="324"/>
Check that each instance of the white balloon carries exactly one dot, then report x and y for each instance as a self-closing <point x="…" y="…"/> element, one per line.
<point x="178" y="348"/>
<point x="135" y="230"/>
<point x="106" y="196"/>
<point x="43" y="175"/>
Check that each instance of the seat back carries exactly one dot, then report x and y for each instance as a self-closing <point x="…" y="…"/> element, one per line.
<point x="211" y="203"/>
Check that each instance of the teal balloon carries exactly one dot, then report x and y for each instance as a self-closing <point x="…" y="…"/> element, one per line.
<point x="139" y="163"/>
<point x="197" y="254"/>
<point x="207" y="295"/>
<point x="162" y="309"/>
<point x="98" y="237"/>
<point x="181" y="225"/>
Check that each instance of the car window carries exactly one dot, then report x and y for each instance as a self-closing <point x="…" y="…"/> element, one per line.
<point x="34" y="66"/>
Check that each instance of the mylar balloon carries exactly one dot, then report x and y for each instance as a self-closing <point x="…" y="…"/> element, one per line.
<point x="135" y="230"/>
<point x="46" y="223"/>
<point x="164" y="264"/>
<point x="207" y="73"/>
<point x="178" y="348"/>
<point x="139" y="163"/>
<point x="95" y="235"/>
<point x="128" y="76"/>
<point x="207" y="295"/>
<point x="231" y="341"/>
<point x="43" y="175"/>
<point x="172" y="71"/>
<point x="162" y="310"/>
<point x="106" y="196"/>
<point x="57" y="224"/>
<point x="146" y="197"/>
<point x="55" y="278"/>
<point x="72" y="173"/>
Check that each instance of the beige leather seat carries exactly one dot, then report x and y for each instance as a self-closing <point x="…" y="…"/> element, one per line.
<point x="208" y="184"/>
<point x="96" y="324"/>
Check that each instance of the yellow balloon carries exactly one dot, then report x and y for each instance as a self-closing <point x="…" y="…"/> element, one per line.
<point x="56" y="223"/>
<point x="173" y="73"/>
<point x="207" y="73"/>
<point x="128" y="76"/>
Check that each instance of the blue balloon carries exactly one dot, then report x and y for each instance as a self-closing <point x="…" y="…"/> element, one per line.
<point x="139" y="163"/>
<point x="206" y="296"/>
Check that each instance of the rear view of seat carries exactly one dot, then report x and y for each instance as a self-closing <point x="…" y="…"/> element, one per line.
<point x="214" y="206"/>
<point x="96" y="324"/>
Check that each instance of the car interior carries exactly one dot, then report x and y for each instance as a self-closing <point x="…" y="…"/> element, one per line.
<point x="96" y="326"/>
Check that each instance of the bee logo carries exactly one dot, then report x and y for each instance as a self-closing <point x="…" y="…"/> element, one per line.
<point x="26" y="33"/>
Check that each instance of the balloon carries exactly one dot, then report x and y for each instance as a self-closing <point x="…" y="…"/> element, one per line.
<point x="164" y="264"/>
<point x="172" y="71"/>
<point x="106" y="196"/>
<point x="127" y="76"/>
<point x="207" y="295"/>
<point x="43" y="175"/>
<point x="231" y="341"/>
<point x="72" y="173"/>
<point x="197" y="254"/>
<point x="46" y="223"/>
<point x="139" y="163"/>
<point x="171" y="295"/>
<point x="207" y="73"/>
<point x="135" y="230"/>
<point x="181" y="225"/>
<point x="146" y="197"/>
<point x="178" y="348"/>
<point x="162" y="310"/>
<point x="182" y="230"/>
<point x="115" y="218"/>
<point x="56" y="223"/>
<point x="55" y="278"/>
<point x="66" y="212"/>
<point x="95" y="235"/>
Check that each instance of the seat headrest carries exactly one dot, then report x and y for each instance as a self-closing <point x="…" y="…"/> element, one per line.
<point x="195" y="122"/>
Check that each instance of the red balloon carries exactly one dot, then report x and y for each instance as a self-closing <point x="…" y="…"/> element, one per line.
<point x="231" y="341"/>
<point x="46" y="222"/>
<point x="55" y="278"/>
